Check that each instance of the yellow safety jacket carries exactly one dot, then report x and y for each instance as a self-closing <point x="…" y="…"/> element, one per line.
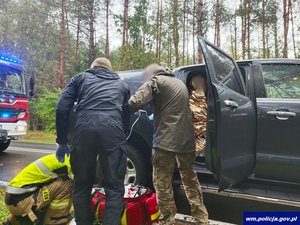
<point x="41" y="171"/>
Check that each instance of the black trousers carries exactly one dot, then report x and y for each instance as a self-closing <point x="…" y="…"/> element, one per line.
<point x="104" y="138"/>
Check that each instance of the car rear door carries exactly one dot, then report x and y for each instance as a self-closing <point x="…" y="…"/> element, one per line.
<point x="278" y="121"/>
<point x="231" y="122"/>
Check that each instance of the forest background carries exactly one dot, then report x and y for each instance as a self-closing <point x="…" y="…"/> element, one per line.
<point x="57" y="39"/>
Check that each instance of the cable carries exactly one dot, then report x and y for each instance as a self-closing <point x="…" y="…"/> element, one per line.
<point x="150" y="117"/>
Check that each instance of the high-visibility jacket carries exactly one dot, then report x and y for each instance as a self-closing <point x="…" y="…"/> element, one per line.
<point x="41" y="171"/>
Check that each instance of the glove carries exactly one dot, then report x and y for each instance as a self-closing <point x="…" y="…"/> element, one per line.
<point x="61" y="150"/>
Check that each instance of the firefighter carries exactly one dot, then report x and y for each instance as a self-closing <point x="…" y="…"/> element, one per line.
<point x="198" y="107"/>
<point x="173" y="140"/>
<point x="102" y="117"/>
<point x="43" y="186"/>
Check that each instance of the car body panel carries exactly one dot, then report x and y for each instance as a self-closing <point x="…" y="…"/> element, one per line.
<point x="231" y="128"/>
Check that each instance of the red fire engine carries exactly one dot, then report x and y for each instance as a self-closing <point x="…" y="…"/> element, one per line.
<point x="13" y="100"/>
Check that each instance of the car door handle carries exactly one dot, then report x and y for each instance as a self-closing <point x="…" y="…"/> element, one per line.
<point x="231" y="104"/>
<point x="281" y="114"/>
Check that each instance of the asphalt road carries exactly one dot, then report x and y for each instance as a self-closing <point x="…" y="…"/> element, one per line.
<point x="20" y="154"/>
<point x="220" y="208"/>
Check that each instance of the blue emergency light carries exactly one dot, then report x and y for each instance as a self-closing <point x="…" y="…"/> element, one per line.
<point x="5" y="115"/>
<point x="8" y="59"/>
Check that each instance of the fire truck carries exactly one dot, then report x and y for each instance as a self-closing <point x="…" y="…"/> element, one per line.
<point x="13" y="100"/>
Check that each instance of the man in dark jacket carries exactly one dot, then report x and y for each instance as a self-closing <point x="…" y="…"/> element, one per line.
<point x="173" y="140"/>
<point x="102" y="116"/>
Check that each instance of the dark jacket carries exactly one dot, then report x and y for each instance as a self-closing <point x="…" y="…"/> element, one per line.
<point x="98" y="92"/>
<point x="173" y="123"/>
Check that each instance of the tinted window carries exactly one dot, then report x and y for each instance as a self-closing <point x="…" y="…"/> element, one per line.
<point x="225" y="69"/>
<point x="282" y="80"/>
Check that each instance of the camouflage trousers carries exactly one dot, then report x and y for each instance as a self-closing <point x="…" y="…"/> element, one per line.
<point x="54" y="198"/>
<point x="163" y="169"/>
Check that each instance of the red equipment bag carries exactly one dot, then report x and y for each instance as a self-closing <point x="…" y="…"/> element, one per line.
<point x="141" y="206"/>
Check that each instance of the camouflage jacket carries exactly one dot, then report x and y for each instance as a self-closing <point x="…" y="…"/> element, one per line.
<point x="198" y="107"/>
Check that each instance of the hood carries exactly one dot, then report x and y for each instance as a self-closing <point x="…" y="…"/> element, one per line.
<point x="165" y="72"/>
<point x="103" y="73"/>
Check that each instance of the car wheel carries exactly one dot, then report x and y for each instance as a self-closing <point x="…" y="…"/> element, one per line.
<point x="138" y="167"/>
<point x="4" y="146"/>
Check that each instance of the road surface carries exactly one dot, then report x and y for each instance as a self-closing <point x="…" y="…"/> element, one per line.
<point x="20" y="154"/>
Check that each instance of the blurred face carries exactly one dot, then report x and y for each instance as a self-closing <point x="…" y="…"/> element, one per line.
<point x="199" y="83"/>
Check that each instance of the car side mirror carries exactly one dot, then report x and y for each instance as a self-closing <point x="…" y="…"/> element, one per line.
<point x="31" y="85"/>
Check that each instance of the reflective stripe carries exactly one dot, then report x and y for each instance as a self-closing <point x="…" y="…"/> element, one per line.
<point x="60" y="204"/>
<point x="45" y="169"/>
<point x="124" y="218"/>
<point x="97" y="211"/>
<point x="155" y="215"/>
<point x="19" y="190"/>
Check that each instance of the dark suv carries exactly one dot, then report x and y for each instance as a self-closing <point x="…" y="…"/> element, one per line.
<point x="253" y="128"/>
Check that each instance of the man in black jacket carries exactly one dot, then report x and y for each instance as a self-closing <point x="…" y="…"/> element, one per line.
<point x="102" y="117"/>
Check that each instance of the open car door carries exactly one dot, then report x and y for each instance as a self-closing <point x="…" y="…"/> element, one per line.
<point x="231" y="121"/>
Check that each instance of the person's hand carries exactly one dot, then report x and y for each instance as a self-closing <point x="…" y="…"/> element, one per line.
<point x="61" y="150"/>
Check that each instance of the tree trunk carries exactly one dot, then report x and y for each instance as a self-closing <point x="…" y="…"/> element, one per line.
<point x="107" y="30"/>
<point x="267" y="42"/>
<point x="187" y="38"/>
<point x="78" y="29"/>
<point x="157" y="31"/>
<point x="293" y="29"/>
<point x="194" y="11"/>
<point x="169" y="43"/>
<point x="217" y="40"/>
<point x="231" y="42"/>
<point x="285" y="27"/>
<point x="199" y="30"/>
<point x="175" y="31"/>
<point x="61" y="71"/>
<point x="160" y="30"/>
<point x="6" y="25"/>
<point x="258" y="43"/>
<point x="235" y="37"/>
<point x="264" y="29"/>
<point x="92" y="47"/>
<point x="184" y="31"/>
<point x="276" y="35"/>
<point x="243" y="20"/>
<point x="248" y="30"/>
<point x="125" y="23"/>
<point x="70" y="55"/>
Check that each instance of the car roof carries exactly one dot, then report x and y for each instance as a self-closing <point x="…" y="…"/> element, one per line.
<point x="138" y="74"/>
<point x="263" y="61"/>
<point x="131" y="74"/>
<point x="271" y="60"/>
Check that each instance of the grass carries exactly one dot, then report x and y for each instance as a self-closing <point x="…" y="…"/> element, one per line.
<point x="39" y="137"/>
<point x="3" y="210"/>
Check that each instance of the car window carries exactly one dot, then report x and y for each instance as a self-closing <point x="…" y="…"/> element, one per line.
<point x="225" y="69"/>
<point x="282" y="80"/>
<point x="230" y="83"/>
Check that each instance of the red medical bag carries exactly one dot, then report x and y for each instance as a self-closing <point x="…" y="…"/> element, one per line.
<point x="141" y="206"/>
